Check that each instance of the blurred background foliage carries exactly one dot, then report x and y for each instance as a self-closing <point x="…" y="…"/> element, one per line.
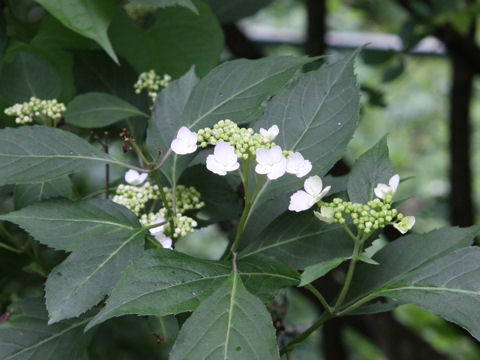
<point x="407" y="95"/>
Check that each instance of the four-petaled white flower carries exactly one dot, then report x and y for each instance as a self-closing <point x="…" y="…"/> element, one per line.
<point x="314" y="192"/>
<point x="326" y="214"/>
<point x="405" y="224"/>
<point x="223" y="159"/>
<point x="134" y="177"/>
<point x="383" y="190"/>
<point x="159" y="234"/>
<point x="185" y="142"/>
<point x="297" y="165"/>
<point x="271" y="162"/>
<point x="271" y="133"/>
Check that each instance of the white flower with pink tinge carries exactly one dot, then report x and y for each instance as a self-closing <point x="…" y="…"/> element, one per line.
<point x="185" y="142"/>
<point x="271" y="162"/>
<point x="134" y="177"/>
<point x="223" y="159"/>
<point x="314" y="192"/>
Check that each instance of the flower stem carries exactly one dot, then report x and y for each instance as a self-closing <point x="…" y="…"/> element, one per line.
<point x="295" y="342"/>
<point x="320" y="297"/>
<point x="163" y="196"/>
<point x="147" y="227"/>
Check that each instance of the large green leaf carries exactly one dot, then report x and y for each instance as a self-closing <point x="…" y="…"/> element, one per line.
<point x="89" y="18"/>
<point x="67" y="225"/>
<point x="25" y="194"/>
<point x="300" y="240"/>
<point x="26" y="334"/>
<point x="96" y="109"/>
<point x="29" y="155"/>
<point x="233" y="10"/>
<point x="230" y="324"/>
<point x="405" y="255"/>
<point x="448" y="286"/>
<point x="166" y="120"/>
<point x="236" y="89"/>
<point x="29" y="75"/>
<point x="373" y="167"/>
<point x="90" y="272"/>
<point x="166" y="3"/>
<point x="165" y="282"/>
<point x="178" y="39"/>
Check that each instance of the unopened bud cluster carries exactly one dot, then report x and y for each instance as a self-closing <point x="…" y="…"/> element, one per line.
<point x="135" y="197"/>
<point x="245" y="141"/>
<point x="374" y="215"/>
<point x="44" y="109"/>
<point x="151" y="82"/>
<point x="182" y="224"/>
<point x="187" y="198"/>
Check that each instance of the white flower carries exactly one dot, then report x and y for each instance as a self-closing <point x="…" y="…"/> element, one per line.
<point x="326" y="214"/>
<point x="405" y="224"/>
<point x="185" y="142"/>
<point x="271" y="162"/>
<point x="297" y="165"/>
<point x="134" y="177"/>
<point x="270" y="134"/>
<point x="314" y="192"/>
<point x="383" y="190"/>
<point x="158" y="232"/>
<point x="223" y="159"/>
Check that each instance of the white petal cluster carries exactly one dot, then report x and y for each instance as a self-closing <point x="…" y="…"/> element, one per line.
<point x="297" y="165"/>
<point x="271" y="162"/>
<point x="326" y="214"/>
<point x="134" y="177"/>
<point x="185" y="142"/>
<point x="271" y="133"/>
<point x="314" y="192"/>
<point x="383" y="191"/>
<point x="159" y="233"/>
<point x="405" y="224"/>
<point x="223" y="159"/>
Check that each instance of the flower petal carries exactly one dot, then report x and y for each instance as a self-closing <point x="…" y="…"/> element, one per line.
<point x="132" y="177"/>
<point x="394" y="181"/>
<point x="300" y="201"/>
<point x="263" y="156"/>
<point x="313" y="185"/>
<point x="214" y="166"/>
<point x="382" y="190"/>
<point x="277" y="170"/>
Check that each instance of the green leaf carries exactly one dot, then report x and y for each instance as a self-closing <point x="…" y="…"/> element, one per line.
<point x="29" y="75"/>
<point x="233" y="10"/>
<point x="94" y="110"/>
<point x="236" y="89"/>
<point x="402" y="256"/>
<point x="90" y="272"/>
<point x="164" y="282"/>
<point x="28" y="154"/>
<point x="89" y="18"/>
<point x="221" y="201"/>
<point x="372" y="168"/>
<point x="366" y="259"/>
<point x="314" y="272"/>
<point x="448" y="286"/>
<point x="166" y="120"/>
<point x="68" y="225"/>
<point x="166" y="3"/>
<point x="230" y="324"/>
<point x="25" y="194"/>
<point x="26" y="334"/>
<point x="177" y="40"/>
<point x="300" y="240"/>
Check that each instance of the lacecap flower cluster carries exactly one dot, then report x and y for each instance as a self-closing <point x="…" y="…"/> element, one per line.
<point x="374" y="215"/>
<point x="26" y="112"/>
<point x="232" y="143"/>
<point x="138" y="194"/>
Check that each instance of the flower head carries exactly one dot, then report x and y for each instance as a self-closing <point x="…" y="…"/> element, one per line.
<point x="185" y="142"/>
<point x="223" y="159"/>
<point x="314" y="192"/>
<point x="297" y="165"/>
<point x="405" y="224"/>
<point x="164" y="240"/>
<point x="134" y="177"/>
<point x="271" y="133"/>
<point x="271" y="162"/>
<point x="326" y="214"/>
<point x="159" y="233"/>
<point x="382" y="191"/>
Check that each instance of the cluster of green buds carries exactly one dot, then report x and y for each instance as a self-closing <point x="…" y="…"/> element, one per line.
<point x="245" y="141"/>
<point x="45" y="110"/>
<point x="187" y="198"/>
<point x="152" y="83"/>
<point x="182" y="224"/>
<point x="138" y="12"/>
<point x="135" y="197"/>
